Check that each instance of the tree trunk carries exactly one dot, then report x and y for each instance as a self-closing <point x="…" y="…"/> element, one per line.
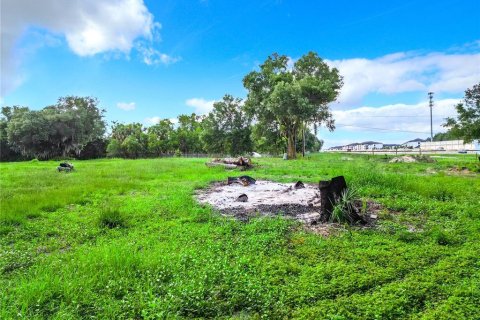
<point x="291" y="150"/>
<point x="303" y="141"/>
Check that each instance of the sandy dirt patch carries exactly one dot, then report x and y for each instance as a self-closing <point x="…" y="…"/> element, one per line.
<point x="263" y="197"/>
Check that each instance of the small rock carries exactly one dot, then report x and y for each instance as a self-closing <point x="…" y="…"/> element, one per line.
<point x="242" y="198"/>
<point x="299" y="185"/>
<point x="373" y="216"/>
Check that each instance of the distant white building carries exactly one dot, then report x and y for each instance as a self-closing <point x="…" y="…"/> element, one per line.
<point x="452" y="145"/>
<point x="371" y="145"/>
<point x="391" y="146"/>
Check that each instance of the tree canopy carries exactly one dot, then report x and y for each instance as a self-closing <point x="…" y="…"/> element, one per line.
<point x="227" y="128"/>
<point x="58" y="130"/>
<point x="467" y="123"/>
<point x="292" y="97"/>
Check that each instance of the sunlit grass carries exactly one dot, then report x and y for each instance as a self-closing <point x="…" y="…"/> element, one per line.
<point x="126" y="239"/>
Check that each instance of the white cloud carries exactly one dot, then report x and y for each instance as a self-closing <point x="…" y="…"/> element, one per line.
<point x="201" y="105"/>
<point x="152" y="120"/>
<point x="127" y="106"/>
<point x="89" y="27"/>
<point x="406" y="72"/>
<point x="413" y="118"/>
<point x="152" y="56"/>
<point x="395" y="123"/>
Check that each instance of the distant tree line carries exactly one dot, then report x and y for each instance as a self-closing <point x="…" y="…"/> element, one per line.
<point x="74" y="128"/>
<point x="227" y="129"/>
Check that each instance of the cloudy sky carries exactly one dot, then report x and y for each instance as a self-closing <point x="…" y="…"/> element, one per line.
<point x="147" y="60"/>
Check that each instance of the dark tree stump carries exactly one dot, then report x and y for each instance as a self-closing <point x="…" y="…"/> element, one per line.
<point x="299" y="185"/>
<point x="330" y="192"/>
<point x="242" y="198"/>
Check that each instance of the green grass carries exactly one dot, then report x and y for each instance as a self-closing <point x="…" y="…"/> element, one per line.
<point x="125" y="239"/>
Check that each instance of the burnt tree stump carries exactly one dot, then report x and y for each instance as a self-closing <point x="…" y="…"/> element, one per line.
<point x="330" y="192"/>
<point x="242" y="198"/>
<point x="299" y="185"/>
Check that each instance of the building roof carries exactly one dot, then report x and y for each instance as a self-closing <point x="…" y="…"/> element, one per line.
<point x="417" y="140"/>
<point x="371" y="142"/>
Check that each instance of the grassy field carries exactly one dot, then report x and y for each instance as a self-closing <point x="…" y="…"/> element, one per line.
<point x="125" y="239"/>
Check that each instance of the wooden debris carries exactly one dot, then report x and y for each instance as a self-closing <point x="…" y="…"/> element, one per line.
<point x="231" y="163"/>
<point x="243" y="180"/>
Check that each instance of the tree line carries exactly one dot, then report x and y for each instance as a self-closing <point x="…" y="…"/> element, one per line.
<point x="74" y="127"/>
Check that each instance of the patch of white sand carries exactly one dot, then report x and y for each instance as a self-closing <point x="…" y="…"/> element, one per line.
<point x="260" y="193"/>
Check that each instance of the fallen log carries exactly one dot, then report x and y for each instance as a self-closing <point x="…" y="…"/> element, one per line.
<point x="225" y="165"/>
<point x="231" y="163"/>
<point x="243" y="180"/>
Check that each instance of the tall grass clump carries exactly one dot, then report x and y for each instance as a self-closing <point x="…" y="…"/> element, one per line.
<point x="111" y="218"/>
<point x="344" y="208"/>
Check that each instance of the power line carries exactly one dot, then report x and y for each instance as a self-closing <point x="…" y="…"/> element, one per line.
<point x="381" y="129"/>
<point x="437" y="115"/>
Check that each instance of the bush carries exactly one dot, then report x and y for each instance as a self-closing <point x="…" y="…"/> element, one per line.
<point x="111" y="218"/>
<point x="343" y="210"/>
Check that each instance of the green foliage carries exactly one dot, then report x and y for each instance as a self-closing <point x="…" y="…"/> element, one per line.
<point x="446" y="136"/>
<point x="292" y="98"/>
<point x="55" y="131"/>
<point x="111" y="218"/>
<point x="344" y="208"/>
<point x="467" y="123"/>
<point x="187" y="135"/>
<point x="312" y="143"/>
<point x="160" y="138"/>
<point x="227" y="128"/>
<point x="127" y="140"/>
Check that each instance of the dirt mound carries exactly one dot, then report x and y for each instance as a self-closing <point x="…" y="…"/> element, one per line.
<point x="410" y="159"/>
<point x="406" y="159"/>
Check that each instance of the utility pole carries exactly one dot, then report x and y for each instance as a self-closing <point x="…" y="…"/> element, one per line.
<point x="430" y="104"/>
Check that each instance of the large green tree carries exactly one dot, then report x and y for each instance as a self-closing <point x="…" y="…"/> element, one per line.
<point x="187" y="135"/>
<point x="160" y="137"/>
<point x="127" y="140"/>
<point x="7" y="151"/>
<point x="267" y="137"/>
<point x="292" y="97"/>
<point x="467" y="123"/>
<point x="227" y="128"/>
<point x="58" y="130"/>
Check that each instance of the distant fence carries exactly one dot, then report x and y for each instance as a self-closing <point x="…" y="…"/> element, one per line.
<point x="206" y="155"/>
<point x="405" y="151"/>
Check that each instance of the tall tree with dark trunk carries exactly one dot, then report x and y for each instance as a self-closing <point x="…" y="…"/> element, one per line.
<point x="292" y="97"/>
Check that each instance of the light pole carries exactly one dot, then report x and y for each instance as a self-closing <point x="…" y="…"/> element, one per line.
<point x="430" y="104"/>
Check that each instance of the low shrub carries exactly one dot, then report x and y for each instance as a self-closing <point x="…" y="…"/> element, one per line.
<point x="343" y="210"/>
<point x="111" y="218"/>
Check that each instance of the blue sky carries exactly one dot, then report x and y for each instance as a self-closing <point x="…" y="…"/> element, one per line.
<point x="158" y="59"/>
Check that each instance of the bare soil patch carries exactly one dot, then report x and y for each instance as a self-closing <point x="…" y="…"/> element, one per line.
<point x="268" y="198"/>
